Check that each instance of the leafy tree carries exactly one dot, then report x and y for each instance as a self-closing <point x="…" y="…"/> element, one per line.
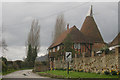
<point x="29" y="55"/>
<point x="68" y="45"/>
<point x="4" y="60"/>
<point x="4" y="67"/>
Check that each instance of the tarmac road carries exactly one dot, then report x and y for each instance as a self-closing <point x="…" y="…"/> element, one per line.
<point x="25" y="75"/>
<point x="29" y="75"/>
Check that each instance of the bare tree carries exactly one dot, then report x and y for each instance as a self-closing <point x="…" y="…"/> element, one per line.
<point x="59" y="26"/>
<point x="34" y="35"/>
<point x="33" y="42"/>
<point x="3" y="46"/>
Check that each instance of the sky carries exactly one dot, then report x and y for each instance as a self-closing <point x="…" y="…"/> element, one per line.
<point x="18" y="16"/>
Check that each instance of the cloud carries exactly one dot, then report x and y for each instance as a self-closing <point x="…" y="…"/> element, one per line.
<point x="17" y="18"/>
<point x="15" y="53"/>
<point x="19" y="52"/>
<point x="43" y="51"/>
<point x="60" y="0"/>
<point x="29" y="18"/>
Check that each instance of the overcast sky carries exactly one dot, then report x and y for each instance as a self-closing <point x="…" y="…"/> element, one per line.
<point x="17" y="18"/>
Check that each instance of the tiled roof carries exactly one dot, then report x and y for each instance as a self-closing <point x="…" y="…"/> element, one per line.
<point x="90" y="29"/>
<point x="75" y="35"/>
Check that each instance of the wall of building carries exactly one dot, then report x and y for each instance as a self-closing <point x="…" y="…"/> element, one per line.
<point x="93" y="64"/>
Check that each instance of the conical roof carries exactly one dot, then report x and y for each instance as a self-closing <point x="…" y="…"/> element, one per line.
<point x="116" y="41"/>
<point x="90" y="29"/>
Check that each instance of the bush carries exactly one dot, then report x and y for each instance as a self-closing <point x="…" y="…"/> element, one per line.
<point x="80" y="70"/>
<point x="10" y="67"/>
<point x="60" y="69"/>
<point x="4" y="60"/>
<point x="70" y="69"/>
<point x="105" y="49"/>
<point x="113" y="72"/>
<point x="18" y="62"/>
<point x="118" y="73"/>
<point x="98" y="73"/>
<point x="15" y="66"/>
<point x="106" y="72"/>
<point x="26" y="64"/>
<point x="4" y="67"/>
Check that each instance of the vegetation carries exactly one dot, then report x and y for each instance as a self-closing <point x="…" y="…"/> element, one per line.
<point x="106" y="72"/>
<point x="68" y="45"/>
<point x="73" y="74"/>
<point x="59" y="26"/>
<point x="105" y="49"/>
<point x="11" y="66"/>
<point x="33" y="43"/>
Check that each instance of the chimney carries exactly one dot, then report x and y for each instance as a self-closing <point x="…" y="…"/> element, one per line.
<point x="67" y="26"/>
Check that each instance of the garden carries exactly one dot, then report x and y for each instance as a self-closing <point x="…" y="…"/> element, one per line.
<point x="62" y="73"/>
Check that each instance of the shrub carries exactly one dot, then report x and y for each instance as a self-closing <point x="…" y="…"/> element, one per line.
<point x="19" y="62"/>
<point x="60" y="69"/>
<point x="10" y="67"/>
<point x="113" y="72"/>
<point x="15" y="66"/>
<point x="70" y="69"/>
<point x="106" y="72"/>
<point x="4" y="60"/>
<point x="118" y="73"/>
<point x="80" y="70"/>
<point x="98" y="73"/>
<point x="4" y="67"/>
<point x="105" y="49"/>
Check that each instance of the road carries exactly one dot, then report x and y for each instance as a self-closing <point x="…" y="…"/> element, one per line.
<point x="25" y="75"/>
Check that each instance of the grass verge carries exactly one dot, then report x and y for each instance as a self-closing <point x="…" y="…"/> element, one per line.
<point x="73" y="74"/>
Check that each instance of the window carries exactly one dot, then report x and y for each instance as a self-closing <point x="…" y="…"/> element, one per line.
<point x="53" y="49"/>
<point x="50" y="50"/>
<point x="75" y="46"/>
<point x="78" y="45"/>
<point x="58" y="48"/>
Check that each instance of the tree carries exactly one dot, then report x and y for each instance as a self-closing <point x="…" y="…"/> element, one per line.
<point x="4" y="47"/>
<point x="59" y="26"/>
<point x="33" y="42"/>
<point x="68" y="45"/>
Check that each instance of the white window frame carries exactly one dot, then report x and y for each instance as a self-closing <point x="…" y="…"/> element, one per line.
<point x="58" y="48"/>
<point x="78" y="45"/>
<point x="53" y="49"/>
<point x="50" y="50"/>
<point x="75" y="46"/>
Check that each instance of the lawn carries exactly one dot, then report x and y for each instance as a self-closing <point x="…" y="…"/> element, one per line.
<point x="74" y="74"/>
